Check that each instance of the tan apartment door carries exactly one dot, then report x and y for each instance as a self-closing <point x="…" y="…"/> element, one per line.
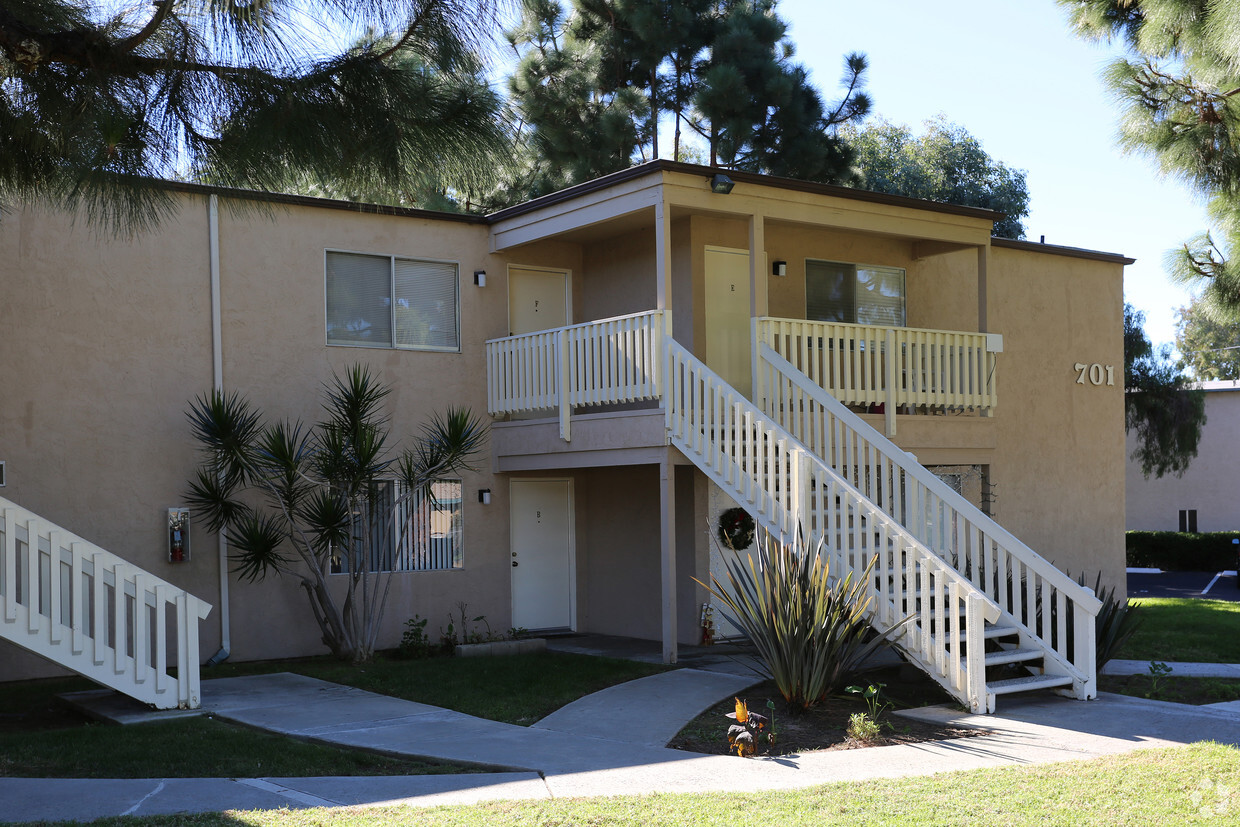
<point x="541" y="554"/>
<point x="727" y="315"/>
<point x="537" y="300"/>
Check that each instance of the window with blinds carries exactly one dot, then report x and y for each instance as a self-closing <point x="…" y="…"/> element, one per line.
<point x="386" y="301"/>
<point x="855" y="294"/>
<point x="408" y="530"/>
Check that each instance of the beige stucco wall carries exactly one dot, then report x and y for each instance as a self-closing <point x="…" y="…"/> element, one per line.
<point x="1209" y="484"/>
<point x="112" y="339"/>
<point x="1058" y="460"/>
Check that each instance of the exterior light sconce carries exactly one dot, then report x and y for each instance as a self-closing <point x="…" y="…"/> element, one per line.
<point x="480" y="278"/>
<point x="779" y="268"/>
<point x="484" y="496"/>
<point x="1" y="473"/>
<point x="721" y="184"/>
<point x="178" y="535"/>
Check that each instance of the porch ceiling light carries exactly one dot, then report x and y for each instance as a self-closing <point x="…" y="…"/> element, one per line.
<point x="721" y="183"/>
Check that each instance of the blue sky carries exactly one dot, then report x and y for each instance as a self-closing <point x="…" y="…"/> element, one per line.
<point x="1014" y="76"/>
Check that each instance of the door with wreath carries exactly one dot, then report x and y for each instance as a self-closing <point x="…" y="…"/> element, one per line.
<point x="732" y="540"/>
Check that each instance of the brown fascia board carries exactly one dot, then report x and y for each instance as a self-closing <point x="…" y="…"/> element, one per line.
<point x="1056" y="250"/>
<point x="655" y="167"/>
<point x="322" y="203"/>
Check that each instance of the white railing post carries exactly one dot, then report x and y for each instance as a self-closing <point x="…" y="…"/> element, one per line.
<point x="974" y="622"/>
<point x="563" y="372"/>
<point x="1084" y="650"/>
<point x="889" y="403"/>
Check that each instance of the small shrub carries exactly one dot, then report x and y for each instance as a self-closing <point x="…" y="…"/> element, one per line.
<point x="861" y="727"/>
<point x="414" y="643"/>
<point x="1179" y="551"/>
<point x="1117" y="620"/>
<point x="810" y="629"/>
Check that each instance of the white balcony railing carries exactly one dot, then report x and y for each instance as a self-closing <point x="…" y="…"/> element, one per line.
<point x="890" y="366"/>
<point x="607" y="362"/>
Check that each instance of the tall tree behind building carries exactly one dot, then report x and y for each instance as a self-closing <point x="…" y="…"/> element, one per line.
<point x="1208" y="347"/>
<point x="599" y="82"/>
<point x="1160" y="407"/>
<point x="945" y="163"/>
<point x="1178" y="85"/>
<point x="101" y="100"/>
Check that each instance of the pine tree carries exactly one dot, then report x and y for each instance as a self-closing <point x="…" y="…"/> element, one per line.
<point x="758" y="109"/>
<point x="596" y="80"/>
<point x="101" y="101"/>
<point x="1179" y="85"/>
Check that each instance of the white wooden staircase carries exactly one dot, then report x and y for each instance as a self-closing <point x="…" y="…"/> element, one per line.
<point x="77" y="605"/>
<point x="977" y="609"/>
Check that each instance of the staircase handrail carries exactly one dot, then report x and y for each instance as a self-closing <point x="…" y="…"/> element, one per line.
<point x="83" y="558"/>
<point x="938" y="649"/>
<point x="1082" y="595"/>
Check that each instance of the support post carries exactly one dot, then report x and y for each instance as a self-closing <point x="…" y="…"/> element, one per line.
<point x="563" y="375"/>
<point x="1084" y="651"/>
<point x="889" y="379"/>
<point x="667" y="567"/>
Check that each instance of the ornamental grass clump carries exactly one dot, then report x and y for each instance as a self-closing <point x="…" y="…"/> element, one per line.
<point x="810" y="628"/>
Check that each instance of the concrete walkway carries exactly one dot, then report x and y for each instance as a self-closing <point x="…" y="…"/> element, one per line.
<point x="604" y="744"/>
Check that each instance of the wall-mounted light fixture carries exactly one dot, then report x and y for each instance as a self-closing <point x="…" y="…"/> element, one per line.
<point x="1" y="473"/>
<point x="480" y="278"/>
<point x="779" y="268"/>
<point x="484" y="496"/>
<point x="721" y="184"/>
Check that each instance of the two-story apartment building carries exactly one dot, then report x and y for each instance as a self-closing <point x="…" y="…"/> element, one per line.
<point x="874" y="373"/>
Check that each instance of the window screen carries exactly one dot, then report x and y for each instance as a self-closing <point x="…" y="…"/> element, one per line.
<point x="384" y="301"/>
<point x="359" y="303"/>
<point x="836" y="292"/>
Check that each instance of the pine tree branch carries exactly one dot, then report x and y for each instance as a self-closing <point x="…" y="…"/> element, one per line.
<point x="162" y="9"/>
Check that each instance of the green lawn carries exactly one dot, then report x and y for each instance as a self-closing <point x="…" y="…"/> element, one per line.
<point x="1186" y="629"/>
<point x="187" y="748"/>
<point x="37" y="740"/>
<point x="516" y="690"/>
<point x="1199" y="784"/>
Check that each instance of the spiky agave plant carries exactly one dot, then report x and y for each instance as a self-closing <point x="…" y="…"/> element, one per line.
<point x="810" y="628"/>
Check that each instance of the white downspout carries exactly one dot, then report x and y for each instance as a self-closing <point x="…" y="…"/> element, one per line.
<point x="217" y="373"/>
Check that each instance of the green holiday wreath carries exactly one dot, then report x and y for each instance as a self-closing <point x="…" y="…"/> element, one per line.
<point x="736" y="529"/>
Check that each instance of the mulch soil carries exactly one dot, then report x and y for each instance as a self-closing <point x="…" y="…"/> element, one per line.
<point x="825" y="725"/>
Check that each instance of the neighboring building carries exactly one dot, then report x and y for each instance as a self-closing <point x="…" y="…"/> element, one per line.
<point x="602" y="499"/>
<point x="1204" y="498"/>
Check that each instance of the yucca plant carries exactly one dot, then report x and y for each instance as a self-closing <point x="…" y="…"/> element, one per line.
<point x="308" y="501"/>
<point x="1117" y="620"/>
<point x="809" y="627"/>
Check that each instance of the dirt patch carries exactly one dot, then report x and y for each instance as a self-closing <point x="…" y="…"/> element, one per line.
<point x="825" y="726"/>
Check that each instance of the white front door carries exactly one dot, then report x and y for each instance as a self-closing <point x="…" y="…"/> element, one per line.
<point x="542" y="554"/>
<point x="537" y="300"/>
<point x="727" y="315"/>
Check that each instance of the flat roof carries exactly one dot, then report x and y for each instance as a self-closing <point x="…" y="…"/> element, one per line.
<point x="641" y="170"/>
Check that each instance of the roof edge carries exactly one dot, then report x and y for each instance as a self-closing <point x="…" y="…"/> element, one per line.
<point x="1057" y="250"/>
<point x="661" y="165"/>
<point x="322" y="203"/>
